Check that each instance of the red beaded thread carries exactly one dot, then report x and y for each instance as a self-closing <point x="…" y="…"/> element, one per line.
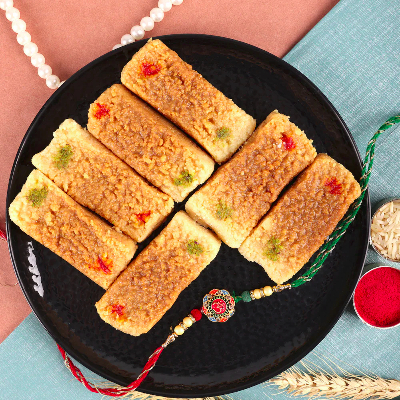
<point x="122" y="391"/>
<point x="113" y="392"/>
<point x="3" y="235"/>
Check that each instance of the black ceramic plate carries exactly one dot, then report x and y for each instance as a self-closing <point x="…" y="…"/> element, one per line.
<point x="264" y="337"/>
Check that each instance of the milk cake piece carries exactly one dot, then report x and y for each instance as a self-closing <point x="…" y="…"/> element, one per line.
<point x="161" y="78"/>
<point x="96" y="178"/>
<point x="240" y="193"/>
<point x="144" y="292"/>
<point x="148" y="142"/>
<point x="48" y="215"/>
<point x="302" y="219"/>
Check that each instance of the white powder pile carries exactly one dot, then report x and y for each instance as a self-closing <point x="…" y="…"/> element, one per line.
<point x="385" y="230"/>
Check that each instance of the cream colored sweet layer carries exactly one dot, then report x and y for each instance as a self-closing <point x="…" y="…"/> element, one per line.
<point x="150" y="285"/>
<point x="148" y="142"/>
<point x="240" y="193"/>
<point x="97" y="179"/>
<point x="51" y="217"/>
<point x="160" y="77"/>
<point x="302" y="219"/>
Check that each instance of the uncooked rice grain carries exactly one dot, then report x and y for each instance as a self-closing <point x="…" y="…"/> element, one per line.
<point x="385" y="230"/>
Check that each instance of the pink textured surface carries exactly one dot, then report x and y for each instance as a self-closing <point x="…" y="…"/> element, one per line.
<point x="70" y="43"/>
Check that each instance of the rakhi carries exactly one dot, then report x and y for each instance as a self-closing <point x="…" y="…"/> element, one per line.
<point x="219" y="305"/>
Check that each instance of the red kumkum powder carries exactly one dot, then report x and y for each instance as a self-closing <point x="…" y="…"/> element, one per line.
<point x="288" y="142"/>
<point x="377" y="297"/>
<point x="149" y="69"/>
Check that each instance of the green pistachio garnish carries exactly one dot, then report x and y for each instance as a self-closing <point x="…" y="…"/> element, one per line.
<point x="37" y="196"/>
<point x="222" y="133"/>
<point x="194" y="247"/>
<point x="63" y="157"/>
<point x="185" y="179"/>
<point x="223" y="211"/>
<point x="273" y="249"/>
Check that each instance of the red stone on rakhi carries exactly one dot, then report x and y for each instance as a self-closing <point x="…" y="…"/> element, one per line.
<point x="196" y="314"/>
<point x="101" y="111"/>
<point x="150" y="69"/>
<point x="288" y="142"/>
<point x="143" y="217"/>
<point x="335" y="187"/>
<point x="117" y="309"/>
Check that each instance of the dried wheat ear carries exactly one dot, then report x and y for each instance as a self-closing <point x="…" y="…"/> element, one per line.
<point x="315" y="384"/>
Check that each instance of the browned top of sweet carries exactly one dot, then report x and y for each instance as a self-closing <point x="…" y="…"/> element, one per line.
<point x="153" y="281"/>
<point x="97" y="179"/>
<point x="181" y="93"/>
<point x="311" y="209"/>
<point x="255" y="176"/>
<point x="148" y="142"/>
<point x="72" y="232"/>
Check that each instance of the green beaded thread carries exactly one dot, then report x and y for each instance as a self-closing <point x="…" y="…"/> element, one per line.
<point x="245" y="296"/>
<point x="334" y="238"/>
<point x="63" y="157"/>
<point x="37" y="196"/>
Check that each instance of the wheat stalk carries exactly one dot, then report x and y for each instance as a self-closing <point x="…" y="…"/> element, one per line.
<point x="315" y="384"/>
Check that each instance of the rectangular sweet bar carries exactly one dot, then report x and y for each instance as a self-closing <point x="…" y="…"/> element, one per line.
<point x="93" y="176"/>
<point x="148" y="142"/>
<point x="150" y="285"/>
<point x="302" y="219"/>
<point x="51" y="217"/>
<point x="241" y="191"/>
<point x="161" y="78"/>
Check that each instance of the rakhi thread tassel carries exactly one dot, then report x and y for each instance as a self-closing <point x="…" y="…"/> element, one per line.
<point x="114" y="392"/>
<point x="193" y="317"/>
<point x="146" y="369"/>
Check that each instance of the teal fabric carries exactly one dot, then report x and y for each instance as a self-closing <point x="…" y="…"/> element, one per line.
<point x="353" y="56"/>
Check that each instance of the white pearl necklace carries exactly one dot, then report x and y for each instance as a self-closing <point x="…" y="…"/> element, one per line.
<point x="38" y="60"/>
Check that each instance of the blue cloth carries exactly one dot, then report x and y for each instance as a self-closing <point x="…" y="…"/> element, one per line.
<point x="353" y="56"/>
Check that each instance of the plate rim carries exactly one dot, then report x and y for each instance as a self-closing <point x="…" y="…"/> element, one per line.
<point x="291" y="359"/>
